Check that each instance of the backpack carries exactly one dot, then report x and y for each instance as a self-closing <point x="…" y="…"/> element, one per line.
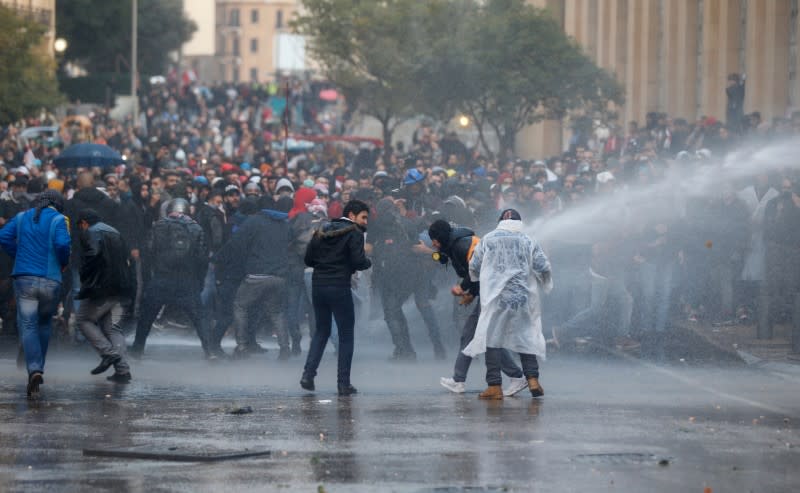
<point x="176" y="245"/>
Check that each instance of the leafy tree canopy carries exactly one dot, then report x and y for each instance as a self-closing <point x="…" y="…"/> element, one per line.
<point x="98" y="33"/>
<point x="503" y="62"/>
<point x="27" y="77"/>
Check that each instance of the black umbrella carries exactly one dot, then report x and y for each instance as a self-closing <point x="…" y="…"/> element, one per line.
<point x="88" y="154"/>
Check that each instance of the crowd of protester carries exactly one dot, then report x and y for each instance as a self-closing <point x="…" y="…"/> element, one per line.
<point x="211" y="160"/>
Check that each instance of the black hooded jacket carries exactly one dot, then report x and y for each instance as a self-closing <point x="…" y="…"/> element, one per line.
<point x="457" y="249"/>
<point x="336" y="252"/>
<point x="105" y="264"/>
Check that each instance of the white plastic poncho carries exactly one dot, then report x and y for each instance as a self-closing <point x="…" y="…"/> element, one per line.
<point x="510" y="267"/>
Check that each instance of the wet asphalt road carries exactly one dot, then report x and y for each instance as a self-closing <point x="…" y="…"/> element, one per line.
<point x="603" y="425"/>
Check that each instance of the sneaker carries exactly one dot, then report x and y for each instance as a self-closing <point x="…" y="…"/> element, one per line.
<point x="345" y="390"/>
<point x="452" y="385"/>
<point x="34" y="380"/>
<point x="515" y="386"/>
<point x="122" y="378"/>
<point x="106" y="363"/>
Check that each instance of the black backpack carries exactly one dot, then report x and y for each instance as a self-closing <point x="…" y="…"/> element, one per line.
<point x="176" y="245"/>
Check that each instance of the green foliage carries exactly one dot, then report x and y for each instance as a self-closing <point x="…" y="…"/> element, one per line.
<point x="27" y="73"/>
<point x="524" y="69"/>
<point x="502" y="62"/>
<point x="98" y="33"/>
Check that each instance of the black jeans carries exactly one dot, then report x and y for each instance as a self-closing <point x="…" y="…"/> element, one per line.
<point x="160" y="292"/>
<point x="336" y="302"/>
<point x="463" y="361"/>
<point x="494" y="362"/>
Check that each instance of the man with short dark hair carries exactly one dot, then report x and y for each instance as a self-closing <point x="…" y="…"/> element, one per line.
<point x="38" y="240"/>
<point x="336" y="252"/>
<point x="107" y="283"/>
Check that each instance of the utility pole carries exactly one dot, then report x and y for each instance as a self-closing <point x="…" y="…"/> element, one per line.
<point x="134" y="65"/>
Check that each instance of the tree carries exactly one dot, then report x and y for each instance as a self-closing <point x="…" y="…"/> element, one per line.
<point x="27" y="73"/>
<point x="380" y="54"/>
<point x="99" y="33"/>
<point x="522" y="68"/>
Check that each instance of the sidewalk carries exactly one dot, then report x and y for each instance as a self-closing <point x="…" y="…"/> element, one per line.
<point x="740" y="340"/>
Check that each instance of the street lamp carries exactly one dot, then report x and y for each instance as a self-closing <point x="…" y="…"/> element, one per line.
<point x="463" y="121"/>
<point x="60" y="45"/>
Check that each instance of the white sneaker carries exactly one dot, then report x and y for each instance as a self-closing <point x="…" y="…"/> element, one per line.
<point x="515" y="386"/>
<point x="452" y="385"/>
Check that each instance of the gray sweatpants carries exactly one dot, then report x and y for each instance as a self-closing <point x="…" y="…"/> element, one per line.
<point x="269" y="292"/>
<point x="99" y="321"/>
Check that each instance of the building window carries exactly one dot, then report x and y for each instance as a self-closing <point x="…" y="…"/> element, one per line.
<point x="233" y="19"/>
<point x="279" y="19"/>
<point x="254" y="16"/>
<point x="253" y="75"/>
<point x="235" y="47"/>
<point x="235" y="74"/>
<point x="254" y="45"/>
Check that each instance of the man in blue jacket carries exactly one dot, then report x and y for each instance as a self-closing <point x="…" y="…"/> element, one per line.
<point x="39" y="242"/>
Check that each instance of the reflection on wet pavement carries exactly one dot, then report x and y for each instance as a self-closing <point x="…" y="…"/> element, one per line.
<point x="603" y="425"/>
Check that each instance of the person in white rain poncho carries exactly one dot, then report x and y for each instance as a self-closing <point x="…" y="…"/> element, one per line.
<point x="511" y="266"/>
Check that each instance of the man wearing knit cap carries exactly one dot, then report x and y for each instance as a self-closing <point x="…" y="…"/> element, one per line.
<point x="38" y="240"/>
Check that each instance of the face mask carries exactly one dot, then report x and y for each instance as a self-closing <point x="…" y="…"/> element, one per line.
<point x="17" y="194"/>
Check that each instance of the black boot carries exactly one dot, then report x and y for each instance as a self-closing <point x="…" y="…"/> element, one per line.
<point x="345" y="390"/>
<point x="122" y="378"/>
<point x="34" y="380"/>
<point x="106" y="363"/>
<point x="307" y="382"/>
<point x="284" y="353"/>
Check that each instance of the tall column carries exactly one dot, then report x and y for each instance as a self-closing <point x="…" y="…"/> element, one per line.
<point x="767" y="57"/>
<point x="580" y="22"/>
<point x="641" y="74"/>
<point x="796" y="82"/>
<point x="680" y="58"/>
<point x="543" y="139"/>
<point x="720" y="55"/>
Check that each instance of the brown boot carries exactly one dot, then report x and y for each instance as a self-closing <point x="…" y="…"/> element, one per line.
<point x="534" y="387"/>
<point x="492" y="393"/>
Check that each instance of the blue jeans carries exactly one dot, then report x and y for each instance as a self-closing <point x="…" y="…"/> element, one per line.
<point x="332" y="302"/>
<point x="463" y="362"/>
<point x="37" y="302"/>
<point x="312" y="325"/>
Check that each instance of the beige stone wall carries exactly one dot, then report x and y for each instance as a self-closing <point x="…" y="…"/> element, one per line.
<point x="674" y="56"/>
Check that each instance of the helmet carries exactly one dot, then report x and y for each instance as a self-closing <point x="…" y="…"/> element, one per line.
<point x="180" y="206"/>
<point x="413" y="176"/>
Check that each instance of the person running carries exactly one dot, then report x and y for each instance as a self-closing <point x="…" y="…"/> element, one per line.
<point x="39" y="241"/>
<point x="108" y="283"/>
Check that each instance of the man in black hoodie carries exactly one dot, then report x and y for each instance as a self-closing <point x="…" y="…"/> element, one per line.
<point x="455" y="245"/>
<point x="107" y="284"/>
<point x="336" y="252"/>
<point x="86" y="197"/>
